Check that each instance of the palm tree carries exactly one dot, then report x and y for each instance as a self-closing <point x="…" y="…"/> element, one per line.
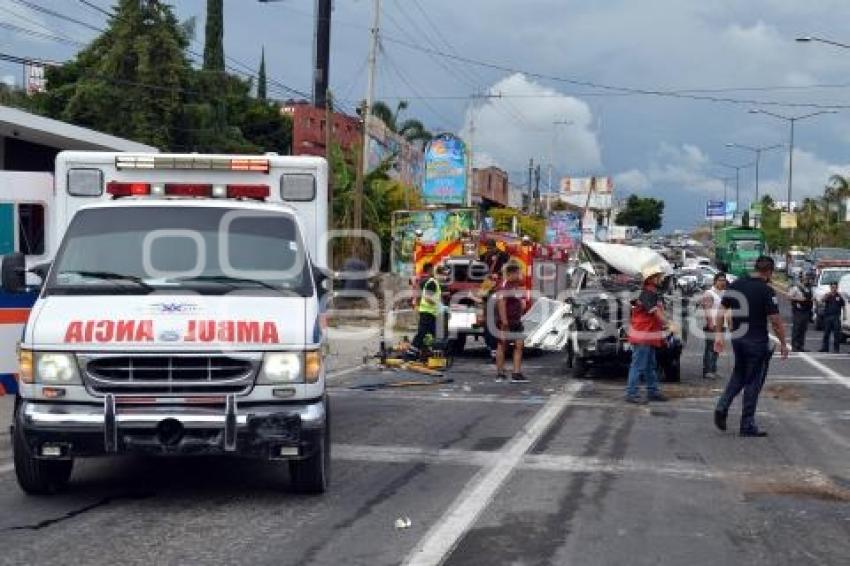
<point x="412" y="130"/>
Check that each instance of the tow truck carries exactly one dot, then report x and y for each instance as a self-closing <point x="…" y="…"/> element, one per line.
<point x="180" y="315"/>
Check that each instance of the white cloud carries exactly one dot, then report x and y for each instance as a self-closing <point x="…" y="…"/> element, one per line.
<point x="632" y="180"/>
<point x="512" y="129"/>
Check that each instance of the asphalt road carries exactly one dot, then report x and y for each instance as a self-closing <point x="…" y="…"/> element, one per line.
<point x="552" y="472"/>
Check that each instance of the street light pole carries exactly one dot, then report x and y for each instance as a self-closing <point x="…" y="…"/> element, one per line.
<point x="758" y="151"/>
<point x="737" y="169"/>
<point x="792" y="120"/>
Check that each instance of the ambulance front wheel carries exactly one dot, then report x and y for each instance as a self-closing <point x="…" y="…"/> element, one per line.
<point x="312" y="475"/>
<point x="37" y="476"/>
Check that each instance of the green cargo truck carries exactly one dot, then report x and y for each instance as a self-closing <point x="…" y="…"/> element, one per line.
<point x="736" y="249"/>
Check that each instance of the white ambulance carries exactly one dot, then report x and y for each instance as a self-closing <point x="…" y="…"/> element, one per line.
<point x="180" y="315"/>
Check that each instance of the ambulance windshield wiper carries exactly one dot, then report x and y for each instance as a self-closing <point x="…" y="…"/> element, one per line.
<point x="110" y="276"/>
<point x="235" y="282"/>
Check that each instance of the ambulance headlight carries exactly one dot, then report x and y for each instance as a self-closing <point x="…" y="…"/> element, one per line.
<point x="281" y="367"/>
<point x="56" y="368"/>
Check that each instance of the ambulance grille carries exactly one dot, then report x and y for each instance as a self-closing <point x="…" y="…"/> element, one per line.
<point x="170" y="374"/>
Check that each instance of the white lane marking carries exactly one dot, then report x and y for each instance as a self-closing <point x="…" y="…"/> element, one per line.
<point x="444" y="396"/>
<point x="412" y="454"/>
<point x="442" y="537"/>
<point x="6" y="468"/>
<point x="826" y="370"/>
<point x="565" y="463"/>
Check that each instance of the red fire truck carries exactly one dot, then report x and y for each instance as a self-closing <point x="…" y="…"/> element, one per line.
<point x="466" y="279"/>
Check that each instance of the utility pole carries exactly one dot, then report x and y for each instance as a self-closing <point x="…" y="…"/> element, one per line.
<point x="322" y="52"/>
<point x="537" y="206"/>
<point x="530" y="177"/>
<point x="366" y="113"/>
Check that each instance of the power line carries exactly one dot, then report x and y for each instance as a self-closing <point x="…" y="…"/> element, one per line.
<point x="41" y="35"/>
<point x="48" y="11"/>
<point x="608" y="87"/>
<point x="29" y="20"/>
<point x="405" y="80"/>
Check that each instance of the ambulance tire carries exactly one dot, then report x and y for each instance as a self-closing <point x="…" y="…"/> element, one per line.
<point x="312" y="475"/>
<point x="35" y="476"/>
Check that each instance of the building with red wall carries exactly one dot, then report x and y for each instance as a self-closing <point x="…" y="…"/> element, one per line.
<point x="308" y="129"/>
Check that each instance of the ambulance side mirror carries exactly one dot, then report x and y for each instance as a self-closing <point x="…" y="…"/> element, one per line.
<point x="323" y="282"/>
<point x="13" y="273"/>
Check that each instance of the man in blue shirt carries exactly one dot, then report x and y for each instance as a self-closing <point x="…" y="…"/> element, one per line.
<point x="752" y="303"/>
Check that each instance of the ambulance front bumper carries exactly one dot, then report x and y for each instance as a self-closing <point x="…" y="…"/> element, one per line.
<point x="264" y="431"/>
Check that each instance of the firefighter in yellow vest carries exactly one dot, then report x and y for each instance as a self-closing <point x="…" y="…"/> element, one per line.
<point x="430" y="303"/>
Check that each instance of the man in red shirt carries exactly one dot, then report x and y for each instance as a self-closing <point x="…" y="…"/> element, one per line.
<point x="510" y="306"/>
<point x="646" y="334"/>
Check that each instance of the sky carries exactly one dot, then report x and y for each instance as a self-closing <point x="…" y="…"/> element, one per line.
<point x="648" y="92"/>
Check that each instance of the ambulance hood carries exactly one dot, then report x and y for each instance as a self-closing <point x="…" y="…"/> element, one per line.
<point x="103" y="323"/>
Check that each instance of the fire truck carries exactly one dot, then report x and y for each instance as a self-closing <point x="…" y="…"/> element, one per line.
<point x="466" y="280"/>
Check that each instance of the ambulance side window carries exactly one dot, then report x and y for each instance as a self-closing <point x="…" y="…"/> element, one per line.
<point x="31" y="229"/>
<point x="7" y="228"/>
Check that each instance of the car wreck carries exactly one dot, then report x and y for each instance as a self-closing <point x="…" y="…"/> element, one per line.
<point x="589" y="321"/>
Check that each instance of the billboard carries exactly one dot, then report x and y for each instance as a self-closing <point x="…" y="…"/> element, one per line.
<point x="435" y="225"/>
<point x="563" y="229"/>
<point x="715" y="210"/>
<point x="585" y="184"/>
<point x="788" y="220"/>
<point x="445" y="171"/>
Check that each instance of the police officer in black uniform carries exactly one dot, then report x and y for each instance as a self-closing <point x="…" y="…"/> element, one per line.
<point x="833" y="305"/>
<point x="802" y="302"/>
<point x="752" y="303"/>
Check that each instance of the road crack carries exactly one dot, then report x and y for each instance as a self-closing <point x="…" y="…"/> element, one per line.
<point x="81" y="511"/>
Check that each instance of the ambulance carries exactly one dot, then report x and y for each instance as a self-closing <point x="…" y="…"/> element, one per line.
<point x="179" y="315"/>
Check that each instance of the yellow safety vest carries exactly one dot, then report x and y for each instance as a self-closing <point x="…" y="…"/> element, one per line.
<point x="425" y="306"/>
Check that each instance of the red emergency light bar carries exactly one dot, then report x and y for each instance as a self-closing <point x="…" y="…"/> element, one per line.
<point x="128" y="189"/>
<point x="188" y="190"/>
<point x="256" y="192"/>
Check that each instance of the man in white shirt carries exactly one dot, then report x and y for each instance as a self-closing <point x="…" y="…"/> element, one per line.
<point x="711" y="308"/>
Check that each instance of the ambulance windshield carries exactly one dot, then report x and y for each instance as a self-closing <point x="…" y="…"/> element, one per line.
<point x="206" y="250"/>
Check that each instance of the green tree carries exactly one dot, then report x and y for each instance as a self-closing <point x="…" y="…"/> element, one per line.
<point x="265" y="127"/>
<point x="131" y="81"/>
<point x="261" y="77"/>
<point x="645" y="213"/>
<point x="214" y="37"/>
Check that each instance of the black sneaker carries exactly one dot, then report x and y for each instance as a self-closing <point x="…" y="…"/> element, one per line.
<point x="518" y="378"/>
<point x="753" y="433"/>
<point x="720" y="419"/>
<point x="657" y="397"/>
<point x="635" y="400"/>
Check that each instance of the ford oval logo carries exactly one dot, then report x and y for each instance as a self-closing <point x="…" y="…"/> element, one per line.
<point x="169" y="336"/>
